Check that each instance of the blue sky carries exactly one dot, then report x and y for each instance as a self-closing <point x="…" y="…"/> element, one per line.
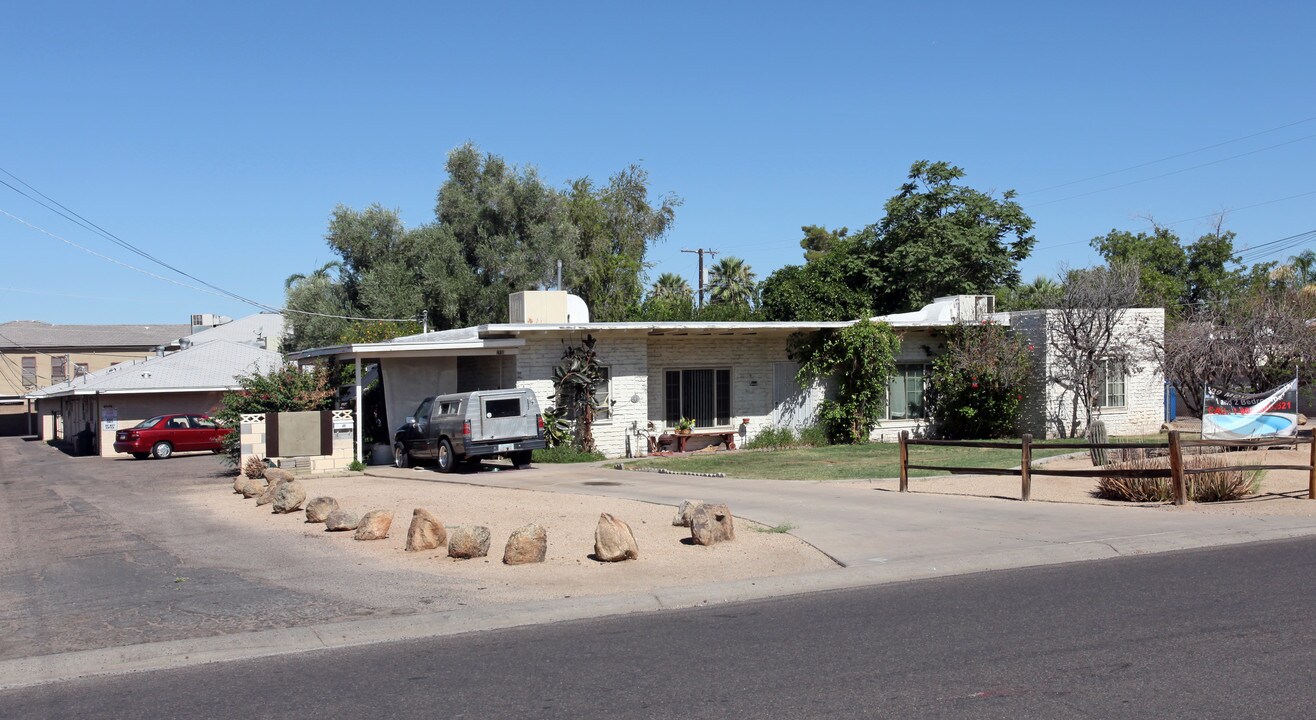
<point x="220" y="137"/>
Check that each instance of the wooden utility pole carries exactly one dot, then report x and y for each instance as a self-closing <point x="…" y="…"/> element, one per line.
<point x="904" y="461"/>
<point x="1177" y="484"/>
<point x="701" y="252"/>
<point x="1024" y="468"/>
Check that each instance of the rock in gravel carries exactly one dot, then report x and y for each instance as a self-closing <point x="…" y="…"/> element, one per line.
<point x="527" y="545"/>
<point x="426" y="531"/>
<point x="374" y="525"/>
<point x="317" y="510"/>
<point x="614" y="541"/>
<point x="711" y="524"/>
<point x="684" y="512"/>
<point x="468" y="541"/>
<point x="289" y="496"/>
<point x="341" y="520"/>
<point x="238" y="482"/>
<point x="273" y="475"/>
<point x="252" y="488"/>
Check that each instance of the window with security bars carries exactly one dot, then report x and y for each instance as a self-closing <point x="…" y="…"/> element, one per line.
<point x="29" y="372"/>
<point x="905" y="393"/>
<point x="59" y="365"/>
<point x="701" y="394"/>
<point x="1110" y="392"/>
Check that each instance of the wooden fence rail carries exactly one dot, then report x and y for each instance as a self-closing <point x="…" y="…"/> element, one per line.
<point x="1175" y="444"/>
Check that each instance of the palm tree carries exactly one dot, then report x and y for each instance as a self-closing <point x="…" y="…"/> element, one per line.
<point x="321" y="274"/>
<point x="1304" y="267"/>
<point x="671" y="286"/>
<point x="731" y="281"/>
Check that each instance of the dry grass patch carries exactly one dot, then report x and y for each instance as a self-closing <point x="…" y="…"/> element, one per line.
<point x="1216" y="486"/>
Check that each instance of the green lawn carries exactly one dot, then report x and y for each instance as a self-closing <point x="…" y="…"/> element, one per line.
<point x="843" y="462"/>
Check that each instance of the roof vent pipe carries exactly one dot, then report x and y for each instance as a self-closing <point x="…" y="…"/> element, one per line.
<point x="559" y="274"/>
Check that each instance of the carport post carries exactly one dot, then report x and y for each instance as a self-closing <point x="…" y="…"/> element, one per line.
<point x="360" y="441"/>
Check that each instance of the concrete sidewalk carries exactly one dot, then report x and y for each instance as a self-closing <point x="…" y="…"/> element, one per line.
<point x="858" y="525"/>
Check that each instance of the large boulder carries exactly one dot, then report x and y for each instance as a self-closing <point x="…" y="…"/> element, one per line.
<point x="341" y="519"/>
<point x="426" y="531"/>
<point x="374" y="525"/>
<point x="711" y="524"/>
<point x="527" y="545"/>
<point x="238" y="482"/>
<point x="468" y="541"/>
<point x="272" y="486"/>
<point x="317" y="510"/>
<point x="614" y="541"/>
<point x="684" y="512"/>
<point x="252" y="488"/>
<point x="277" y="475"/>
<point x="289" y="496"/>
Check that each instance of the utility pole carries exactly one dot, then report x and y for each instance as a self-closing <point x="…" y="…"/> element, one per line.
<point x="701" y="252"/>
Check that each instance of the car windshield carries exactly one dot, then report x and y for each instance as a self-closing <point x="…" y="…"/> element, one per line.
<point x="149" y="423"/>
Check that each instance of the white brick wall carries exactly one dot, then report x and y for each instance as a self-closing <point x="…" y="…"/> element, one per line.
<point x="1049" y="407"/>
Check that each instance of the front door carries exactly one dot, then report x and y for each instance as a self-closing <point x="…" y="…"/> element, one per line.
<point x="792" y="407"/>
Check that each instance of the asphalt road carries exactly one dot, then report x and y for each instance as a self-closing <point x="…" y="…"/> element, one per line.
<point x="1220" y="633"/>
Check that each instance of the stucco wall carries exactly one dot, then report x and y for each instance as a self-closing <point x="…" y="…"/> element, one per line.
<point x="407" y="381"/>
<point x="1048" y="406"/>
<point x="95" y="360"/>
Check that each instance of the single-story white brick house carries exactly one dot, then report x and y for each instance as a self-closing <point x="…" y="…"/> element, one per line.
<point x="728" y="376"/>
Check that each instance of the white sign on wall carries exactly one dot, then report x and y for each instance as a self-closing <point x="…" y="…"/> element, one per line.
<point x="110" y="418"/>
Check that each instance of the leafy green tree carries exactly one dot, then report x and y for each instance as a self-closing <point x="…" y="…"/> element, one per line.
<point x="833" y="286"/>
<point x="617" y="224"/>
<point x="1040" y="294"/>
<point x="1210" y="279"/>
<point x="818" y="240"/>
<point x="977" y="384"/>
<point x="1161" y="261"/>
<point x="732" y="282"/>
<point x="286" y="389"/>
<point x="317" y="302"/>
<point x="939" y="238"/>
<point x="859" y="360"/>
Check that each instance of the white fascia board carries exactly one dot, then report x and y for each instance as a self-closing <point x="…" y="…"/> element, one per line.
<point x="68" y="392"/>
<point x="469" y="347"/>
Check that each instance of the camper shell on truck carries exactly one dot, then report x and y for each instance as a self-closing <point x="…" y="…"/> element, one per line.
<point x="465" y="427"/>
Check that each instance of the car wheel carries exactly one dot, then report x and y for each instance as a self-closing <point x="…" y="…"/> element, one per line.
<point x="141" y="456"/>
<point x="447" y="459"/>
<point x="521" y="459"/>
<point x="401" y="459"/>
<point x="162" y="450"/>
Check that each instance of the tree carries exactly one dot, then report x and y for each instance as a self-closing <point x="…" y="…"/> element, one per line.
<point x="671" y="286"/>
<point x="1088" y="333"/>
<point x="617" y="224"/>
<point x="576" y="380"/>
<point x="1160" y="259"/>
<point x="859" y="360"/>
<point x="818" y="240"/>
<point x="833" y="286"/>
<point x="286" y="389"/>
<point x="1209" y="280"/>
<point x="1304" y="267"/>
<point x="977" y="384"/>
<point x="731" y="282"/>
<point x="938" y="238"/>
<point x="1040" y="294"/>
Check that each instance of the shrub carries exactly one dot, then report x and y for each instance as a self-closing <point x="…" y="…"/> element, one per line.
<point x="285" y="389"/>
<point x="356" y="466"/>
<point x="812" y="436"/>
<point x="1205" y="487"/>
<point x="564" y="454"/>
<point x="254" y="468"/>
<point x="772" y="438"/>
<point x="977" y="384"/>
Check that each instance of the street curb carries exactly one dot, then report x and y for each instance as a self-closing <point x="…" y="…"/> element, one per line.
<point x="175" y="654"/>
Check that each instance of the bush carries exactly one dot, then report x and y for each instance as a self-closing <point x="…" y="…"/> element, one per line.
<point x="285" y="389"/>
<point x="254" y="468"/>
<point x="356" y="466"/>
<point x="564" y="454"/>
<point x="813" y="436"/>
<point x="772" y="438"/>
<point x="977" y="385"/>
<point x="1205" y="487"/>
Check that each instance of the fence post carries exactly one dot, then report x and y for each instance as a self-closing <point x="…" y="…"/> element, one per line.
<point x="1177" y="484"/>
<point x="904" y="461"/>
<point x="1025" y="469"/>
<point x="1311" y="474"/>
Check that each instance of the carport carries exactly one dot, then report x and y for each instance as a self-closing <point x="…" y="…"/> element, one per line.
<point x="418" y="366"/>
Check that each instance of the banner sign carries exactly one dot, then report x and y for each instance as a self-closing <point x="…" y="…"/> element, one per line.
<point x="1245" y="416"/>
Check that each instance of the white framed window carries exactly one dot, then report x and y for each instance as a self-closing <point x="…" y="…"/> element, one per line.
<point x="905" y="392"/>
<point x="58" y="368"/>
<point x="603" y="395"/>
<point x="701" y="394"/>
<point x="1110" y="384"/>
<point x="29" y="372"/>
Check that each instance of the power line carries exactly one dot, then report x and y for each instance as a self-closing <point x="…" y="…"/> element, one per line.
<point x="220" y="293"/>
<point x="1172" y="172"/>
<point x="1169" y="157"/>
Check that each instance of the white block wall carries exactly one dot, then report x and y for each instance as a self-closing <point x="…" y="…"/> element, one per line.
<point x="1048" y="407"/>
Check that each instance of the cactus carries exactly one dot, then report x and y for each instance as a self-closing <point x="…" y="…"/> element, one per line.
<point x="1097" y="434"/>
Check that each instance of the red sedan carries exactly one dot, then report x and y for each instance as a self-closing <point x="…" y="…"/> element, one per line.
<point x="164" y="435"/>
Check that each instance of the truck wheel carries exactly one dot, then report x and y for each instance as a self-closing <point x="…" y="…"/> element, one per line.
<point x="162" y="450"/>
<point x="521" y="459"/>
<point x="401" y="459"/>
<point x="447" y="459"/>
